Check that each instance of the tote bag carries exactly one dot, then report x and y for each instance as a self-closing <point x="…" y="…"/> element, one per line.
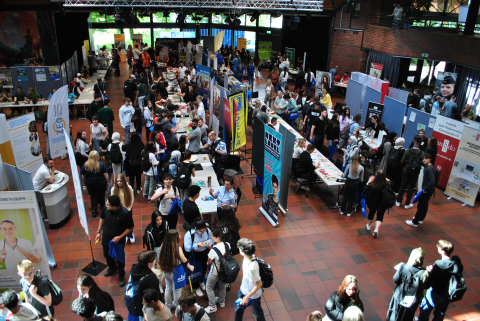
<point x="197" y="274"/>
<point x="418" y="196"/>
<point x="179" y="277"/>
<point x="364" y="207"/>
<point x="116" y="251"/>
<point x="176" y="206"/>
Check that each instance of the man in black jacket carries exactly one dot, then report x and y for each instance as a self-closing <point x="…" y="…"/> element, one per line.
<point x="95" y="106"/>
<point x="413" y="99"/>
<point x="441" y="271"/>
<point x="143" y="271"/>
<point x="130" y="87"/>
<point x="305" y="168"/>
<point x="116" y="222"/>
<point x="410" y="173"/>
<point x="428" y="187"/>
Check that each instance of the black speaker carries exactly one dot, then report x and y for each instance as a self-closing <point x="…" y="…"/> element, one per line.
<point x="255" y="94"/>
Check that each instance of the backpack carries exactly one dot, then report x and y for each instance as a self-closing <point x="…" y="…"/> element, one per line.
<point x="117" y="156"/>
<point x="413" y="162"/>
<point x="345" y="132"/>
<point x="266" y="273"/>
<point x="456" y="287"/>
<point x="198" y="316"/>
<point x="428" y="106"/>
<point x="169" y="167"/>
<point x="410" y="285"/>
<point x="392" y="159"/>
<point x="133" y="297"/>
<point x="183" y="179"/>
<point x="55" y="291"/>
<point x="232" y="239"/>
<point x="229" y="267"/>
<point x="388" y="198"/>
<point x="369" y="169"/>
<point x="145" y="165"/>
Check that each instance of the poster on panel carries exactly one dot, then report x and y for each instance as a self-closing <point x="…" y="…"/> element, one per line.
<point x="464" y="178"/>
<point x="211" y="98"/>
<point x="271" y="174"/>
<point x="373" y="109"/>
<point x="6" y="80"/>
<point x="376" y="70"/>
<point x="76" y="185"/>
<point x="40" y="74"/>
<point x="22" y="74"/>
<point x="227" y="124"/>
<point x="446" y="83"/>
<point x="264" y="50"/>
<point x="86" y="44"/>
<point x="237" y="105"/>
<point x="448" y="133"/>
<point x="22" y="237"/>
<point x="25" y="142"/>
<point x="323" y="79"/>
<point x="58" y="120"/>
<point x="203" y="82"/>
<point x="54" y="73"/>
<point x="120" y="44"/>
<point x="63" y="71"/>
<point x="290" y="55"/>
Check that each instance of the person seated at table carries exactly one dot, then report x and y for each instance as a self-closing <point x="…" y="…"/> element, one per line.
<point x="344" y="80"/>
<point x="32" y="95"/>
<point x="71" y="96"/>
<point x="300" y="147"/>
<point x="77" y="90"/>
<point x="225" y="195"/>
<point x="51" y="94"/>
<point x="6" y="97"/>
<point x="305" y="168"/>
<point x="376" y="125"/>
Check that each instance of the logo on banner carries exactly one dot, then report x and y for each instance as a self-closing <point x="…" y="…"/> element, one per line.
<point x="446" y="146"/>
<point x="272" y="144"/>
<point x="478" y="137"/>
<point x="59" y="125"/>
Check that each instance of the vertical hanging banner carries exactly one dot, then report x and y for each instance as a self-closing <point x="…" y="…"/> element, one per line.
<point x="57" y="121"/>
<point x="86" y="44"/>
<point x="376" y="70"/>
<point x="22" y="237"/>
<point x="219" y="40"/>
<point x="448" y="133"/>
<point x="271" y="175"/>
<point x="120" y="43"/>
<point x="237" y="105"/>
<point x="203" y="83"/>
<point x="242" y="44"/>
<point x="25" y="142"/>
<point x="76" y="185"/>
<point x="227" y="124"/>
<point x="464" y="179"/>
<point x="290" y="55"/>
<point x="211" y="103"/>
<point x="264" y="50"/>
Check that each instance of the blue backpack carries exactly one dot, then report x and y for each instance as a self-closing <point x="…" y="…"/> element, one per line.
<point x="133" y="297"/>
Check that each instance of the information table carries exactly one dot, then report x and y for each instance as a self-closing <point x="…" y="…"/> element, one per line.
<point x="372" y="143"/>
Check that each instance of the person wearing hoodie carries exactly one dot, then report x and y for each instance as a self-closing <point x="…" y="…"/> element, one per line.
<point x="426" y="101"/>
<point x="351" y="150"/>
<point x="115" y="148"/>
<point x="441" y="271"/>
<point x="143" y="271"/>
<point x="396" y="310"/>
<point x="126" y="113"/>
<point x="394" y="168"/>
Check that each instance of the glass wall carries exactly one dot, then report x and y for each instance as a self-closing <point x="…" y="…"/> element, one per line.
<point x="101" y="18"/>
<point x="104" y="37"/>
<point x="227" y="38"/>
<point x="264" y="20"/>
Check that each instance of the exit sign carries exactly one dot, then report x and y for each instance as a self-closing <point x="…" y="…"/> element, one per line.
<point x="268" y="31"/>
<point x="425" y="55"/>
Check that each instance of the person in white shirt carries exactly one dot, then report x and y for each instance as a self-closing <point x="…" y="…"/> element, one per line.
<point x="22" y="311"/>
<point x="126" y="113"/>
<point x="153" y="309"/>
<point x="201" y="108"/>
<point x="136" y="53"/>
<point x="397" y="15"/>
<point x="251" y="287"/>
<point x="151" y="174"/>
<point x="79" y="80"/>
<point x="45" y="174"/>
<point x="181" y="71"/>
<point x="192" y="73"/>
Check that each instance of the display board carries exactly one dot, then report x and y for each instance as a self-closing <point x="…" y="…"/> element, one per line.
<point x="25" y="142"/>
<point x="137" y="39"/>
<point x="227" y="124"/>
<point x="371" y="95"/>
<point x="21" y="209"/>
<point x="264" y="50"/>
<point x="218" y="95"/>
<point x="323" y="78"/>
<point x="271" y="174"/>
<point x="258" y="149"/>
<point x="376" y="70"/>
<point x="23" y="77"/>
<point x="417" y="119"/>
<point x="75" y="64"/>
<point x="203" y="83"/>
<point x="6" y="78"/>
<point x="86" y="44"/>
<point x="446" y="89"/>
<point x="237" y="108"/>
<point x="289" y="139"/>
<point x="69" y="66"/>
<point x="121" y="47"/>
<point x="394" y="111"/>
<point x="208" y="43"/>
<point x="448" y="133"/>
<point x="353" y="97"/>
<point x="63" y="71"/>
<point x="46" y="79"/>
<point x="290" y="55"/>
<point x="58" y="121"/>
<point x="398" y="94"/>
<point x="180" y="44"/>
<point x="464" y="179"/>
<point x="242" y="43"/>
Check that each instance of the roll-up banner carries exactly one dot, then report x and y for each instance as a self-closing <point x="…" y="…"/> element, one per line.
<point x="464" y="178"/>
<point x="264" y="50"/>
<point x="237" y="106"/>
<point x="120" y="44"/>
<point x="219" y="40"/>
<point x="25" y="142"/>
<point x="242" y="44"/>
<point x="290" y="55"/>
<point x="203" y="83"/>
<point x="76" y="185"/>
<point x="137" y="39"/>
<point x="57" y="121"/>
<point x="19" y="213"/>
<point x="271" y="175"/>
<point x="448" y="133"/>
<point x="227" y="124"/>
<point x="373" y="109"/>
<point x="323" y="79"/>
<point x="218" y="96"/>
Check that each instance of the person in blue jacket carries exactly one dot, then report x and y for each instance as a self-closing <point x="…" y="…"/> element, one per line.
<point x="219" y="58"/>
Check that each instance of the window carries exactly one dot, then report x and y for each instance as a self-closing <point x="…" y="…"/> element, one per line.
<point x="158" y="17"/>
<point x="413" y="65"/>
<point x="101" y="18"/>
<point x="219" y="19"/>
<point x="277" y="22"/>
<point x="227" y="37"/>
<point x="142" y="20"/>
<point x="264" y="20"/>
<point x="164" y="32"/>
<point x="249" y="23"/>
<point x="146" y="34"/>
<point x="104" y="37"/>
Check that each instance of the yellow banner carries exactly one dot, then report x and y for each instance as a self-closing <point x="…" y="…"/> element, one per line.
<point x="219" y="40"/>
<point x="237" y="112"/>
<point x="86" y="44"/>
<point x="120" y="43"/>
<point x="242" y="44"/>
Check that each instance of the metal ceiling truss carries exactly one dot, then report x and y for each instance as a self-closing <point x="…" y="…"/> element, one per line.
<point x="303" y="5"/>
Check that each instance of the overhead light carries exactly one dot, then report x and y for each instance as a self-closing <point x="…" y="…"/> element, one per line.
<point x="133" y="18"/>
<point x="197" y="18"/>
<point x="144" y="14"/>
<point x="188" y="12"/>
<point x="228" y="20"/>
<point x="254" y="16"/>
<point x="202" y="12"/>
<point x="181" y="18"/>
<point x="166" y="14"/>
<point x="237" y="22"/>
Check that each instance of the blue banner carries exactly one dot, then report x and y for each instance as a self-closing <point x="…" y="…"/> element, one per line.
<point x="271" y="175"/>
<point x="203" y="83"/>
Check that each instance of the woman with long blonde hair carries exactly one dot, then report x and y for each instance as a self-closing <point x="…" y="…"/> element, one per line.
<point x="95" y="175"/>
<point x="354" y="176"/>
<point x="346" y="296"/>
<point x="171" y="256"/>
<point x="269" y="93"/>
<point x="274" y="77"/>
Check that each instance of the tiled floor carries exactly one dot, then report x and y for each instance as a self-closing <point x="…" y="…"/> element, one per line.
<point x="310" y="253"/>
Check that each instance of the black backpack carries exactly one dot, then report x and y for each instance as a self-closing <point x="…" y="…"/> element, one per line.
<point x="55" y="291"/>
<point x="145" y="165"/>
<point x="428" y="106"/>
<point x="135" y="160"/>
<point x="266" y="273"/>
<point x="229" y="267"/>
<point x="388" y="197"/>
<point x="392" y="159"/>
<point x="413" y="162"/>
<point x="116" y="153"/>
<point x="410" y="285"/>
<point x="183" y="179"/>
<point x="456" y="287"/>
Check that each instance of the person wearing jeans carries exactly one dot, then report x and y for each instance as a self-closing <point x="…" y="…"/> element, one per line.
<point x="354" y="176"/>
<point x="151" y="174"/>
<point x="126" y="113"/>
<point x="218" y="250"/>
<point x="251" y="287"/>
<point x="409" y="175"/>
<point x="141" y="92"/>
